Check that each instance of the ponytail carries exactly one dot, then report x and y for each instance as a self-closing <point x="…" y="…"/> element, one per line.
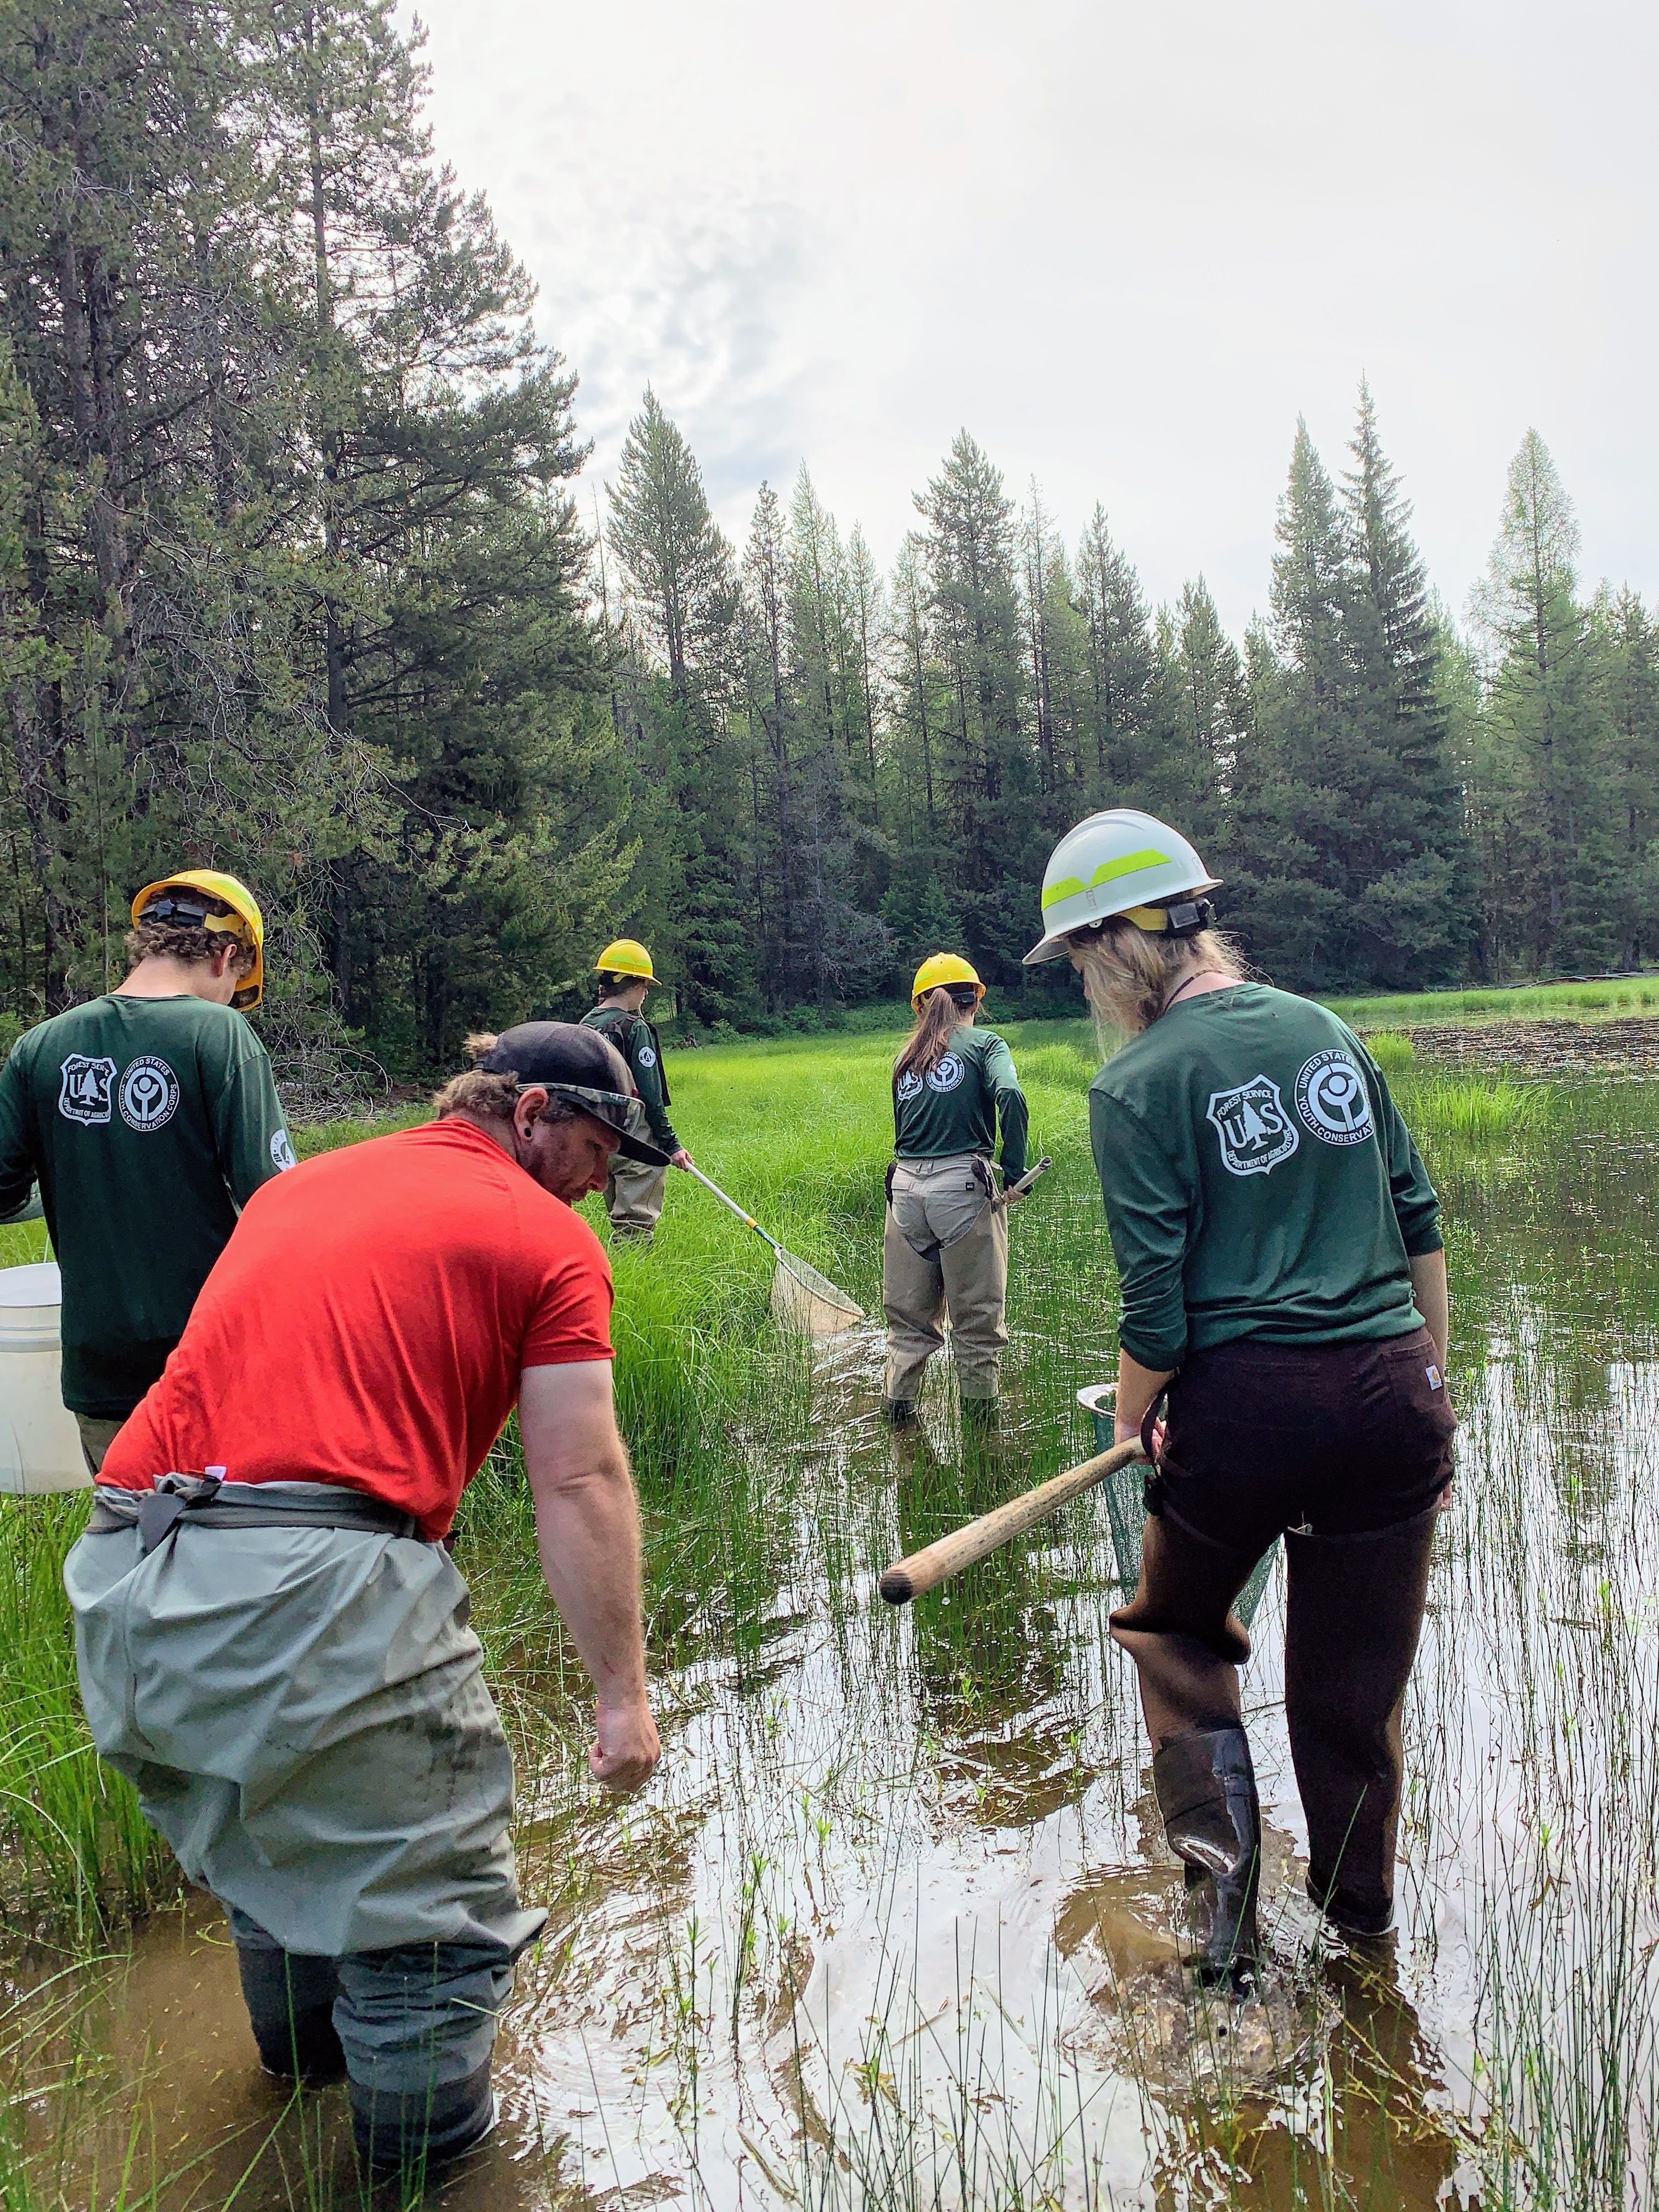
<point x="938" y="1019"/>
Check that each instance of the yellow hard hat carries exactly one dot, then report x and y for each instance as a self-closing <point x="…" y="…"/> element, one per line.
<point x="244" y="922"/>
<point x="944" y="967"/>
<point x="626" y="956"/>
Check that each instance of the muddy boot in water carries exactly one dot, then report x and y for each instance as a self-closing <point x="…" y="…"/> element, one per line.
<point x="290" y="2006"/>
<point x="1205" y="1790"/>
<point x="899" y="1413"/>
<point x="1354" y="1614"/>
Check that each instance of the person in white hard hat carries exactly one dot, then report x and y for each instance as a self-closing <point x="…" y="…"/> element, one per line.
<point x="1283" y="1283"/>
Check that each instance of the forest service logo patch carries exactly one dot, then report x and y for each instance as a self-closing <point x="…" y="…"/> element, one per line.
<point x="949" y="1073"/>
<point x="1254" y="1128"/>
<point x="86" y="1088"/>
<point x="148" y="1097"/>
<point x="909" y="1085"/>
<point x="1333" y="1101"/>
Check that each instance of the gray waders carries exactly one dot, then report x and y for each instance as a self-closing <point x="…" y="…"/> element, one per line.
<point x="286" y="1674"/>
<point x="945" y="1249"/>
<point x="633" y="1198"/>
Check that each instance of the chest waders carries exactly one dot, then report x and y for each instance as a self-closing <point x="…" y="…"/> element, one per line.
<point x="945" y="1255"/>
<point x="333" y="1771"/>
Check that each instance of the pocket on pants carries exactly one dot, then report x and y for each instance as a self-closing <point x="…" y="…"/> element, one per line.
<point x="1422" y="1397"/>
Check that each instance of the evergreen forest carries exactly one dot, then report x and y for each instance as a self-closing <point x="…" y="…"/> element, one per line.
<point x="298" y="577"/>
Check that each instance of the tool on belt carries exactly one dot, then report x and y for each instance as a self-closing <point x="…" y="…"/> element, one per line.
<point x="158" y="1513"/>
<point x="937" y="1562"/>
<point x="802" y="1298"/>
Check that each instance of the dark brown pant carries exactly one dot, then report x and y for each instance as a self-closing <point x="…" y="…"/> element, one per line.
<point x="1345" y="1449"/>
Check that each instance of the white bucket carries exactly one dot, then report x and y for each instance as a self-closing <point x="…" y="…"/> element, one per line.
<point x="39" y="1443"/>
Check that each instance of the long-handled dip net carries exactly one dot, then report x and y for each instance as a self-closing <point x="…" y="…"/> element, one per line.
<point x="802" y="1298"/>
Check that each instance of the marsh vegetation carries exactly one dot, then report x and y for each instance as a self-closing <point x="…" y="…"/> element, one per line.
<point x="891" y="1927"/>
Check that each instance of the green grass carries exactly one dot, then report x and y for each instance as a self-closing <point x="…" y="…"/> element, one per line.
<point x="1637" y="994"/>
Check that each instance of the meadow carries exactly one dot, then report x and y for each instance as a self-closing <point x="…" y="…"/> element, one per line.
<point x="892" y="1925"/>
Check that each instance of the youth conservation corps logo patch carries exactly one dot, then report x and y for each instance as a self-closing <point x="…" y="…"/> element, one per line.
<point x="648" y="1057"/>
<point x="1333" y="1101"/>
<point x="948" y="1073"/>
<point x="148" y="1097"/>
<point x="281" y="1150"/>
<point x="85" y="1088"/>
<point x="1255" y="1132"/>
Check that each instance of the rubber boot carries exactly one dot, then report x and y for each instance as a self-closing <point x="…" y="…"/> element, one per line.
<point x="290" y="2004"/>
<point x="1354" y="1614"/>
<point x="1205" y="1790"/>
<point x="1179" y="1628"/>
<point x="899" y="1413"/>
<point x="397" y="2129"/>
<point x="981" y="1416"/>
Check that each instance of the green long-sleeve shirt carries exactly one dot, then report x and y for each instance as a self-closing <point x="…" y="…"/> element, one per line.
<point x="637" y="1040"/>
<point x="148" y="1123"/>
<point x="1258" y="1180"/>
<point x="957" y="1105"/>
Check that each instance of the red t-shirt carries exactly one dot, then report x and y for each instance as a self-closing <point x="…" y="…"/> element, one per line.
<point x="367" y="1323"/>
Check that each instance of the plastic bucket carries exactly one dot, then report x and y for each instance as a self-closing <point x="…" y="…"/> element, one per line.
<point x="40" y="1442"/>
<point x="1126" y="1506"/>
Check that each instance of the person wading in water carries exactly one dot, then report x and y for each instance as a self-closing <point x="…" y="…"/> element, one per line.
<point x="633" y="1192"/>
<point x="945" y="1243"/>
<point x="271" y="1635"/>
<point x="1284" y="1285"/>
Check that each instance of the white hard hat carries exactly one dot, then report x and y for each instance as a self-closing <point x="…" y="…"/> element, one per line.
<point x="1117" y="862"/>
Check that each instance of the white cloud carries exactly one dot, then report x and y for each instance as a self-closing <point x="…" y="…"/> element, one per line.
<point x="1126" y="246"/>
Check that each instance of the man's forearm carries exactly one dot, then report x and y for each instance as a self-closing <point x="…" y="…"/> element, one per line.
<point x="588" y="1530"/>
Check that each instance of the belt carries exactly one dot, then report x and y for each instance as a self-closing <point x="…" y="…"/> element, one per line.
<point x="156" y="1514"/>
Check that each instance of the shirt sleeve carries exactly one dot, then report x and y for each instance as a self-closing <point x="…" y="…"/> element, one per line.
<point x="571" y="1319"/>
<point x="1148" y="1216"/>
<point x="648" y="1078"/>
<point x="1013" y="1115"/>
<point x="16" y="1150"/>
<point x="249" y="1127"/>
<point x="1416" y="1201"/>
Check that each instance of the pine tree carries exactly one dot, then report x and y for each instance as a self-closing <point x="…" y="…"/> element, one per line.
<point x="1414" y="918"/>
<point x="1120" y="665"/>
<point x="1543" y="711"/>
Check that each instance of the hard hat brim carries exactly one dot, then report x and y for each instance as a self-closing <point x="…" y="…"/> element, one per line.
<point x="1051" y="946"/>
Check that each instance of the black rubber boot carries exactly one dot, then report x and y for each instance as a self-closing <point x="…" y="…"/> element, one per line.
<point x="982" y="1416"/>
<point x="900" y="1412"/>
<point x="1353" y="1615"/>
<point x="1205" y="1790"/>
<point x="397" y="2129"/>
<point x="290" y="2004"/>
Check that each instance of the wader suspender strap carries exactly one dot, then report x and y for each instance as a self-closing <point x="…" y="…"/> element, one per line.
<point x="158" y="1512"/>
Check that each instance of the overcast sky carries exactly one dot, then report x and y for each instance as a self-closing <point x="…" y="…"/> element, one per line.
<point x="1124" y="245"/>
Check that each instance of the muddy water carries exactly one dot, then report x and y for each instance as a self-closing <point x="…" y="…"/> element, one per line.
<point x="894" y="1926"/>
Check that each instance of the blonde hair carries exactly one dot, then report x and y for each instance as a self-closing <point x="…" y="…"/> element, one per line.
<point x="938" y="1019"/>
<point x="487" y="1097"/>
<point x="1129" y="973"/>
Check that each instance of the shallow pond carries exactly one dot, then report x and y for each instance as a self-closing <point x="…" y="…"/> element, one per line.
<point x="893" y="1925"/>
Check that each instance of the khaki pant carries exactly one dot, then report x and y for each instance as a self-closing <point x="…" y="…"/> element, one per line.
<point x="96" y="1437"/>
<point x="633" y="1197"/>
<point x="943" y="1203"/>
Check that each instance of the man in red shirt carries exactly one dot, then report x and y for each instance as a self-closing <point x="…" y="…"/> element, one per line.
<point x="272" y="1639"/>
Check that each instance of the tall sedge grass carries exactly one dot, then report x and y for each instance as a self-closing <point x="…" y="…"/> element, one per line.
<point x="891" y="1927"/>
